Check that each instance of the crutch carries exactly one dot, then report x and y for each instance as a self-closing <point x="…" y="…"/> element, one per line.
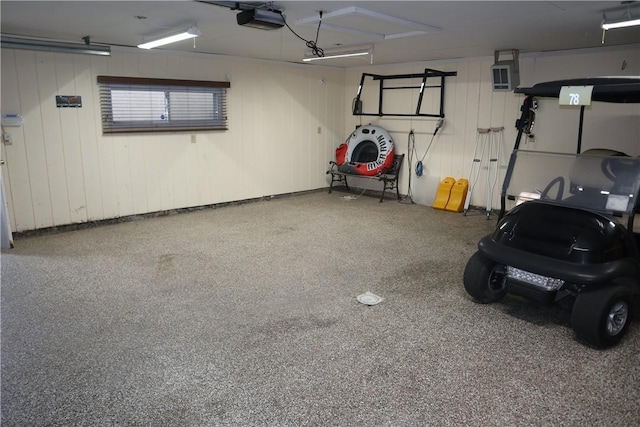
<point x="493" y="167"/>
<point x="476" y="164"/>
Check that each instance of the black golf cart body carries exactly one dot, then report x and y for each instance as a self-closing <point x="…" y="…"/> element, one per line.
<point x="566" y="226"/>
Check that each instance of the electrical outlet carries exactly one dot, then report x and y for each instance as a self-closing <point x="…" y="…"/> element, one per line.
<point x="193" y="139"/>
<point x="6" y="138"/>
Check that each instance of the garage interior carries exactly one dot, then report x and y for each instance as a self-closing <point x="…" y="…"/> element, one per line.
<point x="206" y="277"/>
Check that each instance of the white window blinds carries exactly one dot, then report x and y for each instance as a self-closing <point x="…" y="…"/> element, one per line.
<point x="131" y="104"/>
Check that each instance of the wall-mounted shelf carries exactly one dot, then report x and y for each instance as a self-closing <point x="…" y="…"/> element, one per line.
<point x="428" y="73"/>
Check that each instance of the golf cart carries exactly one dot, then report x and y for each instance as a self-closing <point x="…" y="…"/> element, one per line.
<point x="565" y="232"/>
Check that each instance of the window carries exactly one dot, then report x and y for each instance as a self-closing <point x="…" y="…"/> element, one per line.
<point x="130" y="104"/>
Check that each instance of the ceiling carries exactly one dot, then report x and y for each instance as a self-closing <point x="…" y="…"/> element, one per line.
<point x="463" y="29"/>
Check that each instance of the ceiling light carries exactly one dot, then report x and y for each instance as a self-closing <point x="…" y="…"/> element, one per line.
<point x="628" y="20"/>
<point x="183" y="35"/>
<point x="339" y="54"/>
<point x="620" y="24"/>
<point x="29" y="43"/>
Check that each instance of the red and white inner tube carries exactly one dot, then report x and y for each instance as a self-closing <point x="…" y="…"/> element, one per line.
<point x="368" y="151"/>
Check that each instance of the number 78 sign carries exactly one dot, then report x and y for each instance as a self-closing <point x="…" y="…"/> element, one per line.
<point x="575" y="95"/>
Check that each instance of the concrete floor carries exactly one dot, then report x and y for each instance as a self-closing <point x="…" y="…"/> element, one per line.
<point x="247" y="315"/>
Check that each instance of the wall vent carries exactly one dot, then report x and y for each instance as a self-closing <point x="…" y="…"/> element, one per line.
<point x="505" y="75"/>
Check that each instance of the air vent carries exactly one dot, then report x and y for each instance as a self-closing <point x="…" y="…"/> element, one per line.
<point x="505" y="75"/>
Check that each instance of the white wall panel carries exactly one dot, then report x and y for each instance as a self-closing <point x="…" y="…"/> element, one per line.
<point x="317" y="108"/>
<point x="138" y="160"/>
<point x="456" y="127"/>
<point x="124" y="177"/>
<point x="105" y="146"/>
<point x="332" y="127"/>
<point x="70" y="138"/>
<point x="34" y="140"/>
<point x="16" y="171"/>
<point x="52" y="132"/>
<point x="300" y="127"/>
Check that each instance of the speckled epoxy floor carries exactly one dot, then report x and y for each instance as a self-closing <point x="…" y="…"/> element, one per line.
<point x="247" y="315"/>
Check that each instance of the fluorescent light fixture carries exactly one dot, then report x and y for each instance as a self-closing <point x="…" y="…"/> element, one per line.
<point x="44" y="45"/>
<point x="183" y="35"/>
<point x="627" y="21"/>
<point x="620" y="24"/>
<point x="339" y="54"/>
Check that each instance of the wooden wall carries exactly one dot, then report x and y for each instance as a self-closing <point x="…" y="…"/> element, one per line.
<point x="470" y="103"/>
<point x="285" y="122"/>
<point x="60" y="169"/>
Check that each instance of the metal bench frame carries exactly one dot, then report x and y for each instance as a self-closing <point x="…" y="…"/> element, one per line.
<point x="389" y="179"/>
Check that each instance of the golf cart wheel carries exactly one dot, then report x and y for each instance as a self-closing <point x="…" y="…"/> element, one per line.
<point x="601" y="318"/>
<point x="484" y="279"/>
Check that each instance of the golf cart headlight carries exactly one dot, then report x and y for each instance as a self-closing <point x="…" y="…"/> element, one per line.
<point x="548" y="283"/>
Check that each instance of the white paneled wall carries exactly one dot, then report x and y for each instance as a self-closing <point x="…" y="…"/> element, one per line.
<point x="470" y="103"/>
<point x="60" y="169"/>
<point x="285" y="121"/>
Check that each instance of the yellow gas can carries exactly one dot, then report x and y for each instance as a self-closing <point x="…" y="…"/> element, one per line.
<point x="458" y="195"/>
<point x="444" y="191"/>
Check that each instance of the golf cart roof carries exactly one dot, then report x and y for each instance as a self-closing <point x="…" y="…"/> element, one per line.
<point x="605" y="89"/>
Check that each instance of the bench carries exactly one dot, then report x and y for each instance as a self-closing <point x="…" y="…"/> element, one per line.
<point x="389" y="179"/>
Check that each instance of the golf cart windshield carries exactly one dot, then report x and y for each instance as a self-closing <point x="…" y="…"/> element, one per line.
<point x="599" y="183"/>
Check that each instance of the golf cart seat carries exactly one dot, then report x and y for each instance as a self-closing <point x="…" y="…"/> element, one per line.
<point x="593" y="177"/>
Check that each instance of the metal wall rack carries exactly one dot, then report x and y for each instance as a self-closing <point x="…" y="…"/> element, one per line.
<point x="428" y="73"/>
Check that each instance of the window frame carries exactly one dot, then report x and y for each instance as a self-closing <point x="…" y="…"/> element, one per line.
<point x="109" y="83"/>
